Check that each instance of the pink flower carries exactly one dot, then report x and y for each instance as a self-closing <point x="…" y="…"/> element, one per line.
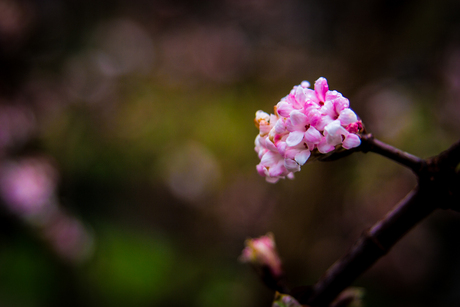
<point x="321" y="89"/>
<point x="307" y="122"/>
<point x="28" y="186"/>
<point x="261" y="252"/>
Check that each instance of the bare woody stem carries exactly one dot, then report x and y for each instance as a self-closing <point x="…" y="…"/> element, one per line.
<point x="372" y="245"/>
<point x="369" y="143"/>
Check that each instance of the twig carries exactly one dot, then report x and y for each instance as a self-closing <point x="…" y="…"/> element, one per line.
<point x="450" y="157"/>
<point x="369" y="143"/>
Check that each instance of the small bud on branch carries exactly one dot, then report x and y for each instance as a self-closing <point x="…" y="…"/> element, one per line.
<point x="261" y="253"/>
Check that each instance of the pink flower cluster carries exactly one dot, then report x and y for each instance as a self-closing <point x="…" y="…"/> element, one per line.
<point x="306" y="123"/>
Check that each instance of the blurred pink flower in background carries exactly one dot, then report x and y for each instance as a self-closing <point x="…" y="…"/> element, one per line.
<point x="28" y="188"/>
<point x="261" y="252"/>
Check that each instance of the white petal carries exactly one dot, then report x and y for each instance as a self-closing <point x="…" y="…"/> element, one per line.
<point x="334" y="132"/>
<point x="302" y="156"/>
<point x="333" y="128"/>
<point x="347" y="116"/>
<point x="305" y="84"/>
<point x="351" y="141"/>
<point x="261" y="115"/>
<point x="291" y="165"/>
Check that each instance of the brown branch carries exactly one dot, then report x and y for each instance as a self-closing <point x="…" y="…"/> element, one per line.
<point x="369" y="143"/>
<point x="450" y="157"/>
<point x="372" y="245"/>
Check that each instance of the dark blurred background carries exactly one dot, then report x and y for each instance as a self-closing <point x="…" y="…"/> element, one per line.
<point x="127" y="169"/>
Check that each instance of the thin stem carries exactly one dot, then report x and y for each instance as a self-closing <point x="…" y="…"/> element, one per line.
<point x="369" y="143"/>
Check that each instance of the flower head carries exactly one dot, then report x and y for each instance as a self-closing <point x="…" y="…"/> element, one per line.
<point x="307" y="123"/>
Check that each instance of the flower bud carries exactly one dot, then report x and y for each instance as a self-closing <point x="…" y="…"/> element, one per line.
<point x="261" y="253"/>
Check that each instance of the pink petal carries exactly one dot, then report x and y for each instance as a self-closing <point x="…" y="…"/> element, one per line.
<point x="261" y="170"/>
<point x="290" y="153"/>
<point x="284" y="108"/>
<point x="302" y="156"/>
<point x="305" y="84"/>
<point x="331" y="95"/>
<point x="278" y="169"/>
<point x="321" y="88"/>
<point x="323" y="122"/>
<point x="280" y="126"/>
<point x="261" y="115"/>
<point x="351" y="141"/>
<point x="291" y="165"/>
<point x="335" y="129"/>
<point x="329" y="109"/>
<point x="272" y="179"/>
<point x="311" y="96"/>
<point x="300" y="95"/>
<point x="270" y="159"/>
<point x="298" y="118"/>
<point x="270" y="146"/>
<point x="334" y="132"/>
<point x="260" y="141"/>
<point x="294" y="138"/>
<point x="347" y="116"/>
<point x="341" y="103"/>
<point x="312" y="135"/>
<point x="324" y="147"/>
<point x="260" y="152"/>
<point x="281" y="146"/>
<point x="314" y="117"/>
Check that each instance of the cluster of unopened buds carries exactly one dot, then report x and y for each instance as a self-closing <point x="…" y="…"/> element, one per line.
<point x="307" y="124"/>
